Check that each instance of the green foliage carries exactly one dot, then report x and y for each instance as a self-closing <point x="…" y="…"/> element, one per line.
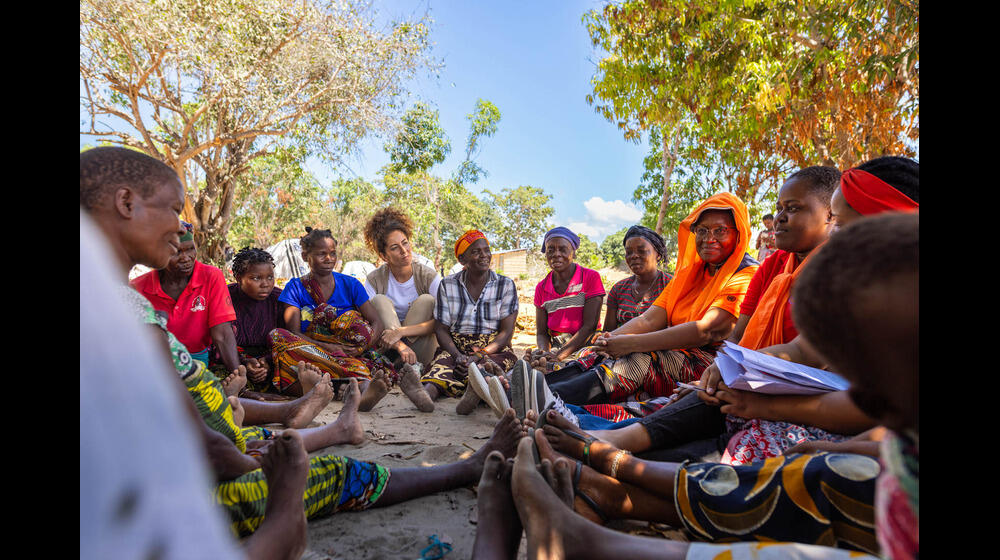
<point x="420" y="144"/>
<point x="349" y="205"/>
<point x="612" y="249"/>
<point x="518" y="217"/>
<point x="745" y="92"/>
<point x="482" y="124"/>
<point x="274" y="201"/>
<point x="589" y="254"/>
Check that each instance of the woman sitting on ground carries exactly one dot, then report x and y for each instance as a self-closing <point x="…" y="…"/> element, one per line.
<point x="748" y="426"/>
<point x="197" y="303"/>
<point x="475" y="312"/>
<point x="402" y="291"/>
<point x="258" y="312"/>
<point x="676" y="338"/>
<point x="330" y="324"/>
<point x="567" y="301"/>
<point x="645" y="252"/>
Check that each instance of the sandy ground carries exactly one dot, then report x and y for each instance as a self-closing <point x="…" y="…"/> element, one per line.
<point x="398" y="435"/>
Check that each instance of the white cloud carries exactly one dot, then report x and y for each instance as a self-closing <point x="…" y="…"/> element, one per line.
<point x="617" y="212"/>
<point x="585" y="229"/>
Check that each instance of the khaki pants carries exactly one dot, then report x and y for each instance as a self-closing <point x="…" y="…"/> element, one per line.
<point x="421" y="309"/>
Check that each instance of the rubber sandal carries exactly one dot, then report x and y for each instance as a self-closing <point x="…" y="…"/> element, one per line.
<point x="540" y="393"/>
<point x="586" y="499"/>
<point x="477" y="381"/>
<point x="587" y="440"/>
<point x="498" y="401"/>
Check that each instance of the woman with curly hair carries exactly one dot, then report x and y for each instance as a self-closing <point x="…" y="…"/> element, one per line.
<point x="402" y="291"/>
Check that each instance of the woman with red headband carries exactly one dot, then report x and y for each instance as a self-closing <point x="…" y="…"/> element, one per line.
<point x="475" y="312"/>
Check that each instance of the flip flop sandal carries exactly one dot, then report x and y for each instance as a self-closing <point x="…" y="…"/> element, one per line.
<point x="587" y="440"/>
<point x="541" y="417"/>
<point x="587" y="499"/>
<point x="534" y="448"/>
<point x="477" y="381"/>
<point x="498" y="401"/>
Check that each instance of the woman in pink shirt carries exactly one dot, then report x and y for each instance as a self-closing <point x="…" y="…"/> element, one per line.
<point x="567" y="301"/>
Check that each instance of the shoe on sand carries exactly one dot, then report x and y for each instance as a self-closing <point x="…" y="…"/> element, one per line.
<point x="498" y="401"/>
<point x="521" y="380"/>
<point x="477" y="381"/>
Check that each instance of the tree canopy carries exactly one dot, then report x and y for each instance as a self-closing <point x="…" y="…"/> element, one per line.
<point x="209" y="87"/>
<point x="755" y="89"/>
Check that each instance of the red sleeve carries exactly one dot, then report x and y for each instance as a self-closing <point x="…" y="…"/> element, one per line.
<point x="761" y="280"/>
<point x="220" y="305"/>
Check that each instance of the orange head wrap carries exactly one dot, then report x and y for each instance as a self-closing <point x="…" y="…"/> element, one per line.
<point x="467" y="239"/>
<point x="691" y="268"/>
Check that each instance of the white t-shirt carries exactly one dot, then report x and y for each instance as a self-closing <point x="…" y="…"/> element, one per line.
<point x="402" y="295"/>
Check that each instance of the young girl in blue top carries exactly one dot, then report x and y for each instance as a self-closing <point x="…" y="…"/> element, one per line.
<point x="330" y="324"/>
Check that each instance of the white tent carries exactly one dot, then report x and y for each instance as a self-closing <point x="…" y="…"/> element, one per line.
<point x="358" y="269"/>
<point x="288" y="261"/>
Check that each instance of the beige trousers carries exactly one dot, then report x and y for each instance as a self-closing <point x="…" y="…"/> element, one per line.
<point x="421" y="309"/>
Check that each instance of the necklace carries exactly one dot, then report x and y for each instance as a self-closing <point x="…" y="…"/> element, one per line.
<point x="641" y="294"/>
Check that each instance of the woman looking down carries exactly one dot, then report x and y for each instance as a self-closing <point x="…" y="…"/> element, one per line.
<point x="402" y="291"/>
<point x="330" y="324"/>
<point x="197" y="303"/>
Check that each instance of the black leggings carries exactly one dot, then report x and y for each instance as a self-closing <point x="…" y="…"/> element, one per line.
<point x="686" y="429"/>
<point x="578" y="386"/>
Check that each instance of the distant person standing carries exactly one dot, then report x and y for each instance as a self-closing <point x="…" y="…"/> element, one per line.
<point x="765" y="239"/>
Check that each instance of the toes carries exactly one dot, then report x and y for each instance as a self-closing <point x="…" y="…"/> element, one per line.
<point x="494" y="465"/>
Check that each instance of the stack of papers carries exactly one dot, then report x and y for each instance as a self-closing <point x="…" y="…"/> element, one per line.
<point x="750" y="370"/>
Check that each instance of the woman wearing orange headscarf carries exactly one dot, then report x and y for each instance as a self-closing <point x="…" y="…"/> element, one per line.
<point x="676" y="338"/>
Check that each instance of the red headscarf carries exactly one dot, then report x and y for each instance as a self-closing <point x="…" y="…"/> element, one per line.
<point x="868" y="194"/>
<point x="467" y="239"/>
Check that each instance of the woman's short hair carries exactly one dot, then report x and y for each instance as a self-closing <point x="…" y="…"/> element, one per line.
<point x="384" y="222"/>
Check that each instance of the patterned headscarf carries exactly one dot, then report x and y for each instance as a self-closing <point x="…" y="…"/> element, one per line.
<point x="467" y="239"/>
<point x="563" y="232"/>
<point x="655" y="239"/>
<point x="188" y="234"/>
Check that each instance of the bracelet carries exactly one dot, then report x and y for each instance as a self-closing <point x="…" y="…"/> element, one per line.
<point x="614" y="464"/>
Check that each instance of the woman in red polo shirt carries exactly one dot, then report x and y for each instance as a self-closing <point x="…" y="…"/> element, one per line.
<point x="196" y="300"/>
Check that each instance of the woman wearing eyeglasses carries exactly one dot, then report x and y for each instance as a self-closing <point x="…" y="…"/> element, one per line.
<point x="676" y="338"/>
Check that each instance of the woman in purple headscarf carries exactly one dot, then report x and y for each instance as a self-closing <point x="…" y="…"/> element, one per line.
<point x="567" y="301"/>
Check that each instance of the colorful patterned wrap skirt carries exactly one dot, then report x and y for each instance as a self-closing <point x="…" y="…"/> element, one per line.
<point x="334" y="484"/>
<point x="349" y="329"/>
<point x="442" y="369"/>
<point x="822" y="499"/>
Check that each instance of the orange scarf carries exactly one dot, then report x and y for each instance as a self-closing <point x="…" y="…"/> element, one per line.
<point x="766" y="325"/>
<point x="692" y="276"/>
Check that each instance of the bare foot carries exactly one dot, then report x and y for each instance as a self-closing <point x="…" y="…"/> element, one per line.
<point x="235" y="382"/>
<point x="306" y="407"/>
<point x="348" y="421"/>
<point x="470" y="400"/>
<point x="283" y="532"/>
<point x="376" y="391"/>
<point x="309" y="376"/>
<point x="555" y="532"/>
<point x="409" y="382"/>
<point x="555" y="432"/>
<point x="498" y="533"/>
<point x="507" y="432"/>
<point x="613" y="498"/>
<point x="238" y="412"/>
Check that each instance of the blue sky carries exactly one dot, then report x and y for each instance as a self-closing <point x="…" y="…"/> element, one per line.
<point x="534" y="61"/>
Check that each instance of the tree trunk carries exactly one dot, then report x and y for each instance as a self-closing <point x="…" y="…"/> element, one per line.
<point x="669" y="159"/>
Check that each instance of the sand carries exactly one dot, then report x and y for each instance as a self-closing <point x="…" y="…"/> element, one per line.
<point x="398" y="435"/>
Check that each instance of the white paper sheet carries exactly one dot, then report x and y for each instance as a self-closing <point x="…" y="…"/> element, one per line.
<point x="750" y="370"/>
